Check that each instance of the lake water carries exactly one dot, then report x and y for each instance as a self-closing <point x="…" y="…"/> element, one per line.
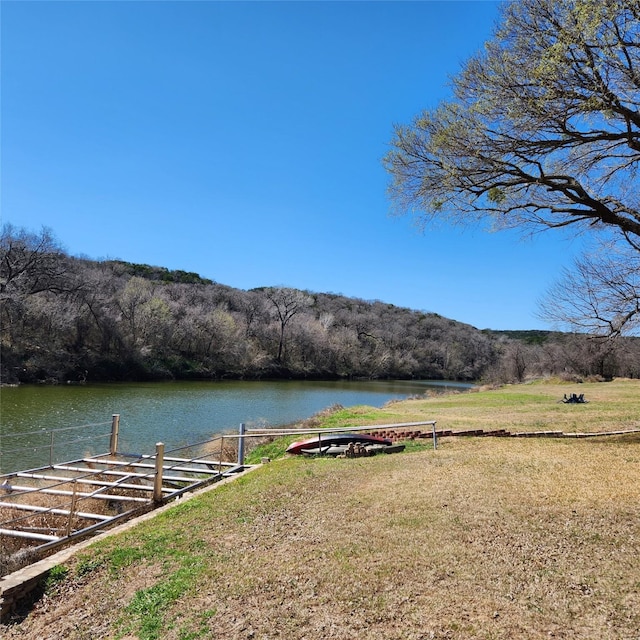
<point x="176" y="413"/>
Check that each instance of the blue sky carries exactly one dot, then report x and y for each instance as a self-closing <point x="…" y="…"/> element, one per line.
<point x="243" y="141"/>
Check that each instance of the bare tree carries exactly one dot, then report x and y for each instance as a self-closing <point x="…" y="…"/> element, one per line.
<point x="543" y="130"/>
<point x="600" y="295"/>
<point x="31" y="263"/>
<point x="286" y="304"/>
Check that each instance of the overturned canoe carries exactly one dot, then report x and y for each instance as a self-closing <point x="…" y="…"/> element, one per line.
<point x="324" y="442"/>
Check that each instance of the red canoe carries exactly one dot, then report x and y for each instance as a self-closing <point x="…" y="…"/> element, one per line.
<point x="318" y="444"/>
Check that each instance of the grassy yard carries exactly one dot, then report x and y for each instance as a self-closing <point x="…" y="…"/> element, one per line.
<point x="493" y="538"/>
<point x="530" y="407"/>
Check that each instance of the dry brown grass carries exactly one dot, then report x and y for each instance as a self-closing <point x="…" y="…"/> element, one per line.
<point x="537" y="406"/>
<point x="484" y="538"/>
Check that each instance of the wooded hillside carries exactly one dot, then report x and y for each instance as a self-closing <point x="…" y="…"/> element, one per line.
<point x="74" y="319"/>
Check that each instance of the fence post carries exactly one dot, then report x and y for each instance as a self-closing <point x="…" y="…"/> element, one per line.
<point x="241" y="445"/>
<point x="157" y="482"/>
<point x="51" y="449"/>
<point x="435" y="438"/>
<point x="115" y="428"/>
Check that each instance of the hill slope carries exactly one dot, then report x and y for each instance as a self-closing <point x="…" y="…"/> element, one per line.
<point x="65" y="319"/>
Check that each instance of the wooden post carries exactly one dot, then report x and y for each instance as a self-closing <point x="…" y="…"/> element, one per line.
<point x="435" y="438"/>
<point x="241" y="445"/>
<point x="157" y="484"/>
<point x="115" y="428"/>
<point x="221" y="454"/>
<point x="51" y="449"/>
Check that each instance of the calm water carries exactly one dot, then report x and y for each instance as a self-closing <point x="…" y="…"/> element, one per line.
<point x="176" y="413"/>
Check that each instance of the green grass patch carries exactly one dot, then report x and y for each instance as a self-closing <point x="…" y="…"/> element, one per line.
<point x="146" y="613"/>
<point x="169" y="550"/>
<point x="413" y="446"/>
<point x="55" y="576"/>
<point x="272" y="450"/>
<point x="87" y="564"/>
<point x="334" y="420"/>
<point x="350" y="417"/>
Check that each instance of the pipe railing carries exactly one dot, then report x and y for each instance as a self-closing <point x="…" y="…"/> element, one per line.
<point x="323" y="430"/>
<point x="58" y="506"/>
<point x="372" y="427"/>
<point x="164" y="461"/>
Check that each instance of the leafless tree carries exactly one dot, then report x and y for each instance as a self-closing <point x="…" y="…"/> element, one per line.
<point x="31" y="263"/>
<point x="286" y="303"/>
<point x="600" y="295"/>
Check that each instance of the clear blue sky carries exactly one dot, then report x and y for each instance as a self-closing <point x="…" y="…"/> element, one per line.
<point x="243" y="141"/>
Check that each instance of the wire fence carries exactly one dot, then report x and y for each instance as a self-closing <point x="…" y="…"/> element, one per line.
<point x="31" y="449"/>
<point x="44" y="507"/>
<point x="57" y="499"/>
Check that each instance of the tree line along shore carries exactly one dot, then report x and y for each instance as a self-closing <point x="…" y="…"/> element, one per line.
<point x="69" y="319"/>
